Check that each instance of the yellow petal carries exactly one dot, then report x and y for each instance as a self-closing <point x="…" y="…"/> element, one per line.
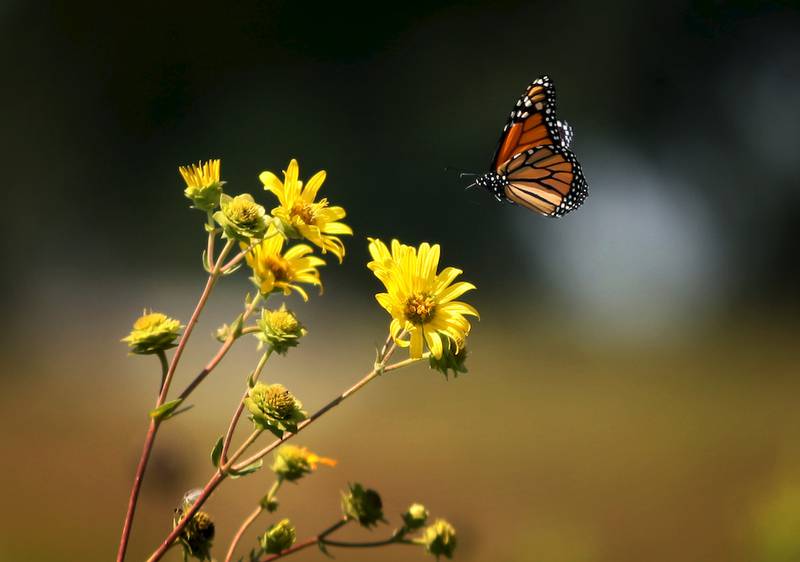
<point x="416" y="344"/>
<point x="454" y="291"/>
<point x="337" y="228"/>
<point x="457" y="307"/>
<point x="434" y="342"/>
<point x="313" y="185"/>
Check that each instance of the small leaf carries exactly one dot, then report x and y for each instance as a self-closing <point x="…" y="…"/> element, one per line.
<point x="324" y="549"/>
<point x="232" y="270"/>
<point x="164" y="411"/>
<point x="216" y="453"/>
<point x="249" y="469"/>
<point x="237" y="326"/>
<point x="205" y="262"/>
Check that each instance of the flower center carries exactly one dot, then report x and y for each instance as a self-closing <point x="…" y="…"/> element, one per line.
<point x="243" y="212"/>
<point x="305" y="212"/>
<point x="420" y="308"/>
<point x="279" y="267"/>
<point x="280" y="400"/>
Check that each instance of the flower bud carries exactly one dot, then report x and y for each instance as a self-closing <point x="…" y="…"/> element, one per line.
<point x="454" y="357"/>
<point x="292" y="462"/>
<point x="279" y="329"/>
<point x="440" y="539"/>
<point x="415" y="516"/>
<point x="274" y="408"/>
<point x="152" y="332"/>
<point x="241" y="218"/>
<point x="203" y="186"/>
<point x="197" y="536"/>
<point x="365" y="506"/>
<point x="278" y="537"/>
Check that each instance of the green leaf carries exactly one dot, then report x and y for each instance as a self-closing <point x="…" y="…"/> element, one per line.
<point x="164" y="411"/>
<point x="324" y="549"/>
<point x="205" y="262"/>
<point x="216" y="452"/>
<point x="249" y="469"/>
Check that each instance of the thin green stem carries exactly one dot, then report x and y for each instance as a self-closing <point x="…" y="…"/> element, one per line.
<point x="162" y="357"/>
<point x="212" y="236"/>
<point x="226" y="442"/>
<point x="241" y="531"/>
<point x="374" y="373"/>
<point x="223" y="350"/>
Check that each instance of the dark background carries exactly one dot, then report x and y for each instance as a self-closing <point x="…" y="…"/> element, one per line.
<point x="649" y="339"/>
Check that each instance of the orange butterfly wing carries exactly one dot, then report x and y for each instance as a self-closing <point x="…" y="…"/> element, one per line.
<point x="532" y="123"/>
<point x="546" y="179"/>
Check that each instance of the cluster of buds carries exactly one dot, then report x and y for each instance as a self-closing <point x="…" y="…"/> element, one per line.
<point x="278" y="537"/>
<point x="241" y="218"/>
<point x="440" y="538"/>
<point x="197" y="536"/>
<point x="273" y="408"/>
<point x="362" y="505"/>
<point x="153" y="332"/>
<point x="279" y="330"/>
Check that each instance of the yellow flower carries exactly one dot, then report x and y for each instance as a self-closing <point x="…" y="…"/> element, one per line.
<point x="274" y="270"/>
<point x="314" y="221"/>
<point x="420" y="301"/>
<point x="203" y="186"/>
<point x="293" y="462"/>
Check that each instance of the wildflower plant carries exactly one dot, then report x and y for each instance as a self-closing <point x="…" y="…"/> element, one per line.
<point x="279" y="250"/>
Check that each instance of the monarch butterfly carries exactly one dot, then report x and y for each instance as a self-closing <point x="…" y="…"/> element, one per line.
<point x="532" y="165"/>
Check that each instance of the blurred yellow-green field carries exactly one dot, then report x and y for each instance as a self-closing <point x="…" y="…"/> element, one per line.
<point x="546" y="450"/>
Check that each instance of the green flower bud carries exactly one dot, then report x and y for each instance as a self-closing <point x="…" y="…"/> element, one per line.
<point x="453" y="358"/>
<point x="278" y="537"/>
<point x="197" y="536"/>
<point x="279" y="329"/>
<point x="269" y="503"/>
<point x="440" y="539"/>
<point x="203" y="186"/>
<point x="152" y="332"/>
<point x="241" y="218"/>
<point x="365" y="506"/>
<point x="274" y="408"/>
<point x="415" y="517"/>
<point x="293" y="462"/>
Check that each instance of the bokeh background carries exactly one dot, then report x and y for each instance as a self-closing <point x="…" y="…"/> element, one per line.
<point x="633" y="381"/>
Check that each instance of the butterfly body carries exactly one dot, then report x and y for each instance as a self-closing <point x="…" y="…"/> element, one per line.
<point x="532" y="165"/>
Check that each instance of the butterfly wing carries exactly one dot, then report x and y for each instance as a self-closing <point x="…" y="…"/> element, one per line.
<point x="546" y="179"/>
<point x="532" y="123"/>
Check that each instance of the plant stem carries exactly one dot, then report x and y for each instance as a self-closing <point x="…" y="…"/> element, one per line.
<point x="223" y="350"/>
<point x="212" y="236"/>
<point x="220" y="474"/>
<point x="209" y="488"/>
<point x="252" y="517"/>
<point x="391" y="540"/>
<point x="308" y="542"/>
<point x="237" y="537"/>
<point x="162" y="357"/>
<point x="226" y="442"/>
<point x="375" y="372"/>
<point x="162" y="396"/>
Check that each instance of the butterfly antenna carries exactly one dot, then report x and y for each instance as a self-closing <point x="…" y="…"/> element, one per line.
<point x="473" y="184"/>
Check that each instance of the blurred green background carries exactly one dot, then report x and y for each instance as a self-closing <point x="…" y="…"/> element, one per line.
<point x="633" y="381"/>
